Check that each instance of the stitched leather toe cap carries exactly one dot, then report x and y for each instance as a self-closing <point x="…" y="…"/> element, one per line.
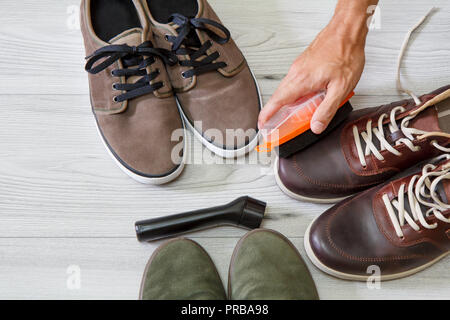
<point x="335" y="250"/>
<point x="348" y="239"/>
<point x="307" y="184"/>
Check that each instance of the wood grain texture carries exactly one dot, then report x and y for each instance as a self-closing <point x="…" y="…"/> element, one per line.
<point x="113" y="268"/>
<point x="64" y="202"/>
<point x="48" y="56"/>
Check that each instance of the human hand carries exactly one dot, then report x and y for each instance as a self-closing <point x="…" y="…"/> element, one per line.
<point x="333" y="62"/>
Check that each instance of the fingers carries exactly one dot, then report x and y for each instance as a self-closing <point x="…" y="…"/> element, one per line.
<point x="327" y="109"/>
<point x="287" y="92"/>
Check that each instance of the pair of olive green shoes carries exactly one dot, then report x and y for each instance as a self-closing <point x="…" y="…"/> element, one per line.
<point x="265" y="266"/>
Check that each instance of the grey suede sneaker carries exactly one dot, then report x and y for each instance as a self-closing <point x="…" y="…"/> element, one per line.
<point x="217" y="93"/>
<point x="266" y="266"/>
<point x="180" y="269"/>
<point x="132" y="100"/>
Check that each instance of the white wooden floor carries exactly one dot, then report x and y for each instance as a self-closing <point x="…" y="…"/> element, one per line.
<point x="63" y="202"/>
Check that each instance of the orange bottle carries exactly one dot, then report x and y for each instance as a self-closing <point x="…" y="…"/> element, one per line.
<point x="291" y="120"/>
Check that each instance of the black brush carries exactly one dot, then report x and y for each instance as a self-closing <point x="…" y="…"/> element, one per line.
<point x="308" y="138"/>
<point x="243" y="212"/>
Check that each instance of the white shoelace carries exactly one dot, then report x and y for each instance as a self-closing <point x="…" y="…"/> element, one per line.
<point x="368" y="135"/>
<point x="417" y="193"/>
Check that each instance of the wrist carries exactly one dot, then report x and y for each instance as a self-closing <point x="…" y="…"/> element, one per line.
<point x="350" y="20"/>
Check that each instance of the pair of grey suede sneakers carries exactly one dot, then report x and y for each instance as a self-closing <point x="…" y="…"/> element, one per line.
<point x="265" y="266"/>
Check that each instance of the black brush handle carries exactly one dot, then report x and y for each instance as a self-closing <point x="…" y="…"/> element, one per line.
<point x="244" y="212"/>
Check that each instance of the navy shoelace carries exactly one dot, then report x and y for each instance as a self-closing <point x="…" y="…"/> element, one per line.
<point x="192" y="46"/>
<point x="141" y="56"/>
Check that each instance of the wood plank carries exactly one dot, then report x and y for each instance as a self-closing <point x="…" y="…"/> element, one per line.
<point x="57" y="180"/>
<point x="112" y="269"/>
<point x="48" y="55"/>
<point x="64" y="202"/>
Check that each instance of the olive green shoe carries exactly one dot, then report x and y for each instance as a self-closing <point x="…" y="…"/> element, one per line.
<point x="180" y="269"/>
<point x="267" y="266"/>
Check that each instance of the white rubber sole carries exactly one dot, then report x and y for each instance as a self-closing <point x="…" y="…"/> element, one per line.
<point x="143" y="179"/>
<point x="298" y="197"/>
<point x="224" y="153"/>
<point x="348" y="276"/>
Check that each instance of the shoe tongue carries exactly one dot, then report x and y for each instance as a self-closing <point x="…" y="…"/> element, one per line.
<point x="443" y="187"/>
<point x="427" y="121"/>
<point x="131" y="37"/>
<point x="191" y="40"/>
<point x="443" y="190"/>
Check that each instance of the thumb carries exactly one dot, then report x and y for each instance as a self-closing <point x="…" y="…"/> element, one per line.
<point x="327" y="109"/>
<point x="287" y="92"/>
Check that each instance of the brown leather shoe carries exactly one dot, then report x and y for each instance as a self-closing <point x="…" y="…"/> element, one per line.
<point x="370" y="147"/>
<point x="131" y="95"/>
<point x="214" y="86"/>
<point x="401" y="228"/>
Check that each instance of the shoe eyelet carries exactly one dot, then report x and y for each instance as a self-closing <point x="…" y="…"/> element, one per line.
<point x="183" y="75"/>
<point x="166" y="37"/>
<point x="115" y="100"/>
<point x="112" y="73"/>
<point x="114" y="86"/>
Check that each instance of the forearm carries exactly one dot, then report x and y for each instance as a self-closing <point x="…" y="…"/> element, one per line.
<point x="334" y="62"/>
<point x="350" y="19"/>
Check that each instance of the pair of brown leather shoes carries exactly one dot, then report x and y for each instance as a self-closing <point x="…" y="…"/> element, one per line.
<point x="158" y="66"/>
<point x="402" y="224"/>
